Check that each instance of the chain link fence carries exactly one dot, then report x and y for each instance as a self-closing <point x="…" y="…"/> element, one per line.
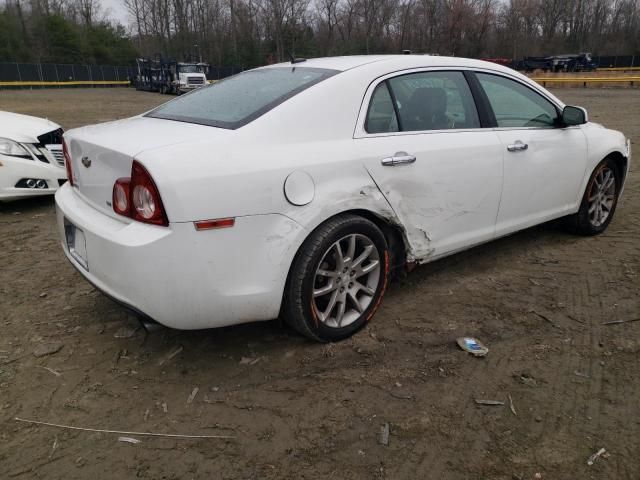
<point x="218" y="73"/>
<point x="617" y="61"/>
<point x="56" y="74"/>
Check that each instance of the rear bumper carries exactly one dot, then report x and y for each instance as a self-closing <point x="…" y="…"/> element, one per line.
<point x="178" y="276"/>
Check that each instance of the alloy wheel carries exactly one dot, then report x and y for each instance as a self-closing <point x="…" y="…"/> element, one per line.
<point x="601" y="196"/>
<point x="346" y="280"/>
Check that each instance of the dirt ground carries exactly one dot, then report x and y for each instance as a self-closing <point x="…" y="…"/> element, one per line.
<point x="296" y="409"/>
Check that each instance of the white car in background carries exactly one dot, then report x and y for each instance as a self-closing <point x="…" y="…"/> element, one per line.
<point x="31" y="159"/>
<point x="294" y="190"/>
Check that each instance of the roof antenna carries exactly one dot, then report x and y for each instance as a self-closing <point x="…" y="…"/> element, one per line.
<point x="293" y="58"/>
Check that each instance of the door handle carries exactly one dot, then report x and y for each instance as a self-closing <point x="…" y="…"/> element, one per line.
<point x="400" y="158"/>
<point x="518" y="146"/>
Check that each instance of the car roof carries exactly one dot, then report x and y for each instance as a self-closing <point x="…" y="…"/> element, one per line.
<point x="406" y="61"/>
<point x="337" y="63"/>
<point x="372" y="66"/>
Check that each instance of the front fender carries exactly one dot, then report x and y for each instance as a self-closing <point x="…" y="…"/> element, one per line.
<point x="602" y="142"/>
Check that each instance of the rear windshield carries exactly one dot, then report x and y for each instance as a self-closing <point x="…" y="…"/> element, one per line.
<point x="236" y="101"/>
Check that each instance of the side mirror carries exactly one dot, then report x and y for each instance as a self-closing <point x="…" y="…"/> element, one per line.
<point x="574" y="116"/>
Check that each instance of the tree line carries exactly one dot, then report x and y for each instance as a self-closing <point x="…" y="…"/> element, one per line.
<point x="62" y="31"/>
<point x="255" y="32"/>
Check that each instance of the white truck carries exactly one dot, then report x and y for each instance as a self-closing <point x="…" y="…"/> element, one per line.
<point x="168" y="76"/>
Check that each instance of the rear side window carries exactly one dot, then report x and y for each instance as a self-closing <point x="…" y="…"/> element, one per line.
<point x="381" y="116"/>
<point x="427" y="101"/>
<point x="516" y="105"/>
<point x="434" y="101"/>
<point x="236" y="101"/>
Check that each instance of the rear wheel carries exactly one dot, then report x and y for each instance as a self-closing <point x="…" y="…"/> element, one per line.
<point x="337" y="279"/>
<point x="599" y="201"/>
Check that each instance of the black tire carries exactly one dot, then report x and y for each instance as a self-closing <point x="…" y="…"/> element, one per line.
<point x="583" y="222"/>
<point x="300" y="308"/>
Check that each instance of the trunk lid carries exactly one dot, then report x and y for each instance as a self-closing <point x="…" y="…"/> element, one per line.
<point x="100" y="154"/>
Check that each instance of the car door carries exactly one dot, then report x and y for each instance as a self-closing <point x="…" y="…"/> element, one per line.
<point x="422" y="142"/>
<point x="544" y="163"/>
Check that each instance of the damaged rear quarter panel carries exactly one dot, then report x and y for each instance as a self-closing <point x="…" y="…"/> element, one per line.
<point x="234" y="187"/>
<point x="345" y="186"/>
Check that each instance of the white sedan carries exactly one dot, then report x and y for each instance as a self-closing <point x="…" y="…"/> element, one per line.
<point x="31" y="160"/>
<point x="295" y="190"/>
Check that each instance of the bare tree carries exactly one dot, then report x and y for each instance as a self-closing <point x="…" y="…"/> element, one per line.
<point x="258" y="31"/>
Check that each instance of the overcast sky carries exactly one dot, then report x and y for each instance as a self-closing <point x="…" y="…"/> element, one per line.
<point x="116" y="11"/>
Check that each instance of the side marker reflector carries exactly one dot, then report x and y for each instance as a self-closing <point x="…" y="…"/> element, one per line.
<point x="213" y="224"/>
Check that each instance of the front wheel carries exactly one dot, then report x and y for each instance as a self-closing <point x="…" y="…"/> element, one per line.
<point x="599" y="201"/>
<point x="337" y="279"/>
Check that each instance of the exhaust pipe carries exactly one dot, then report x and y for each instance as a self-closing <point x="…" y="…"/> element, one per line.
<point x="150" y="325"/>
<point x="31" y="183"/>
<point x="41" y="184"/>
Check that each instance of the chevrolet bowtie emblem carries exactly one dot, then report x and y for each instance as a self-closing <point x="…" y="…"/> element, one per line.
<point x="86" y="161"/>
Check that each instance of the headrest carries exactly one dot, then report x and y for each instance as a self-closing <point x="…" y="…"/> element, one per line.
<point x="434" y="97"/>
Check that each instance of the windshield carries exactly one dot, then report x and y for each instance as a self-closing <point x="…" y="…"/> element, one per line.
<point x="189" y="69"/>
<point x="238" y="100"/>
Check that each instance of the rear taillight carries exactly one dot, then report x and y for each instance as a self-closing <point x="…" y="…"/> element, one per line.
<point x="67" y="161"/>
<point x="120" y="196"/>
<point x="137" y="197"/>
<point x="146" y="205"/>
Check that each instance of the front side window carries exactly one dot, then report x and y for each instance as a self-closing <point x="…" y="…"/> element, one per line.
<point x="516" y="105"/>
<point x="236" y="101"/>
